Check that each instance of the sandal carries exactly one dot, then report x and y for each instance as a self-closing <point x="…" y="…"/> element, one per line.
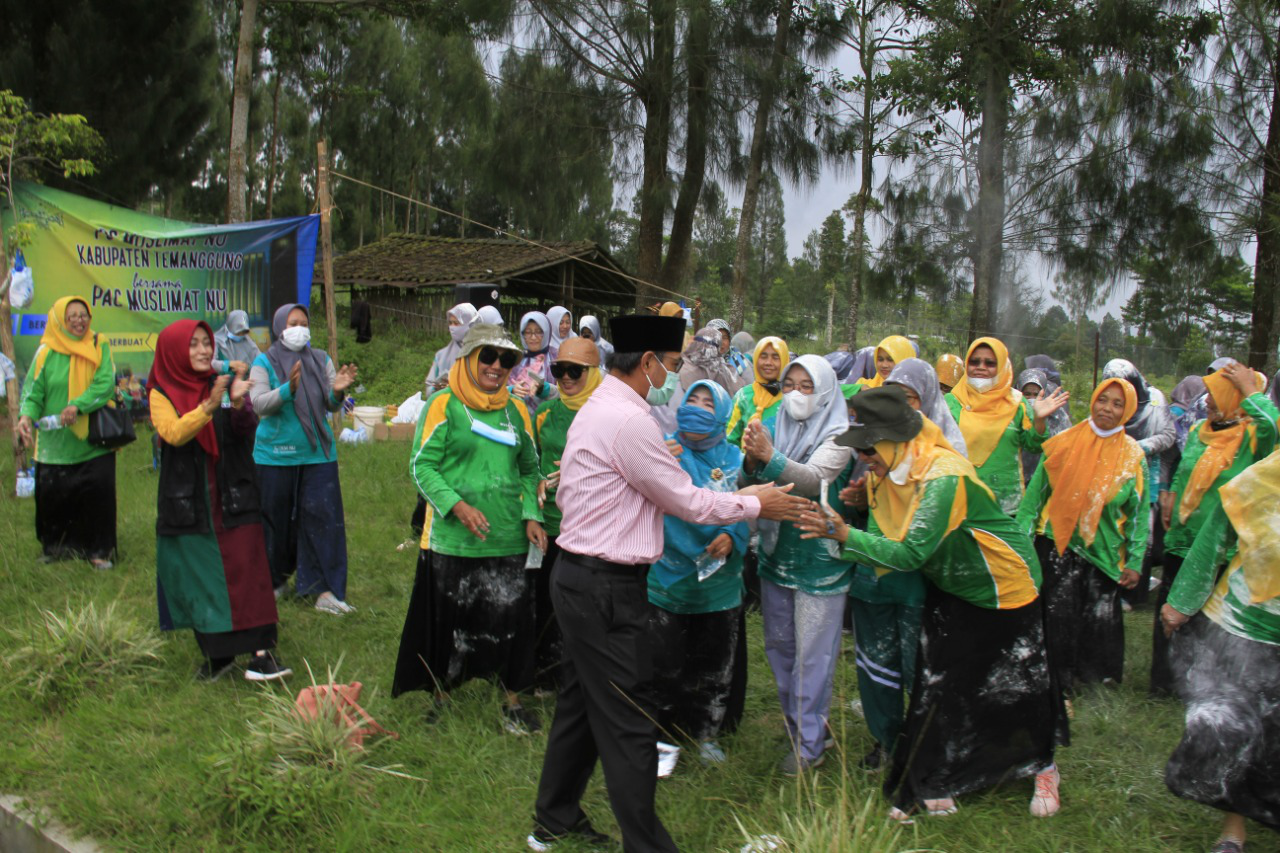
<point x="941" y="808"/>
<point x="1228" y="845"/>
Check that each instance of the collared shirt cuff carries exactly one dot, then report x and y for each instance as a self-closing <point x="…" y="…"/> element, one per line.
<point x="752" y="507"/>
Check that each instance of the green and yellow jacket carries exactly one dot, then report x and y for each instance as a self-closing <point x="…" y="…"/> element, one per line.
<point x="45" y="393"/>
<point x="1002" y="471"/>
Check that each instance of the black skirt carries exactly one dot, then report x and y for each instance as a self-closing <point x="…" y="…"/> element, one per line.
<point x="469" y="617"/>
<point x="1084" y="622"/>
<point x="694" y="663"/>
<point x="76" y="509"/>
<point x="983" y="706"/>
<point x="549" y="645"/>
<point x="1229" y="756"/>
<point x="1163" y="680"/>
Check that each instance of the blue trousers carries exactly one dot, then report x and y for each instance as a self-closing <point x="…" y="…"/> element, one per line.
<point x="303" y="521"/>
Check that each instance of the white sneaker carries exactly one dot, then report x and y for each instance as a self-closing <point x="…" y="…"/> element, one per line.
<point x="668" y="755"/>
<point x="330" y="603"/>
<point x="1046" y="801"/>
<point x="856" y="707"/>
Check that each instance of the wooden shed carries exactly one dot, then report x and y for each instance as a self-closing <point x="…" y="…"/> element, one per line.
<point x="413" y="277"/>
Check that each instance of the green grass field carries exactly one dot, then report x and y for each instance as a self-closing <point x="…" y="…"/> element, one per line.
<point x="165" y="763"/>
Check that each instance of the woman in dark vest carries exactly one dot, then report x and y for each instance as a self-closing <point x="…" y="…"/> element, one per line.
<point x="211" y="557"/>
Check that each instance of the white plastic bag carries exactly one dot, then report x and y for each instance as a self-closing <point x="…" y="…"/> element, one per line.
<point x="25" y="486"/>
<point x="21" y="286"/>
<point x="408" y="411"/>
<point x="354" y="436"/>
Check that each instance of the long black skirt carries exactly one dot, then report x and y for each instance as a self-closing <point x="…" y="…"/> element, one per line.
<point x="694" y="661"/>
<point x="983" y="705"/>
<point x="1163" y="680"/>
<point x="76" y="509"/>
<point x="1229" y="756"/>
<point x="469" y="617"/>
<point x="549" y="645"/>
<point x="1084" y="622"/>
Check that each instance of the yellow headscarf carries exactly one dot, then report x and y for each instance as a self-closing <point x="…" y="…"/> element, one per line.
<point x="985" y="414"/>
<point x="760" y="397"/>
<point x="1252" y="503"/>
<point x="85" y="354"/>
<point x="898" y="348"/>
<point x="894" y="505"/>
<point x="591" y="380"/>
<point x="463" y="385"/>
<point x="1086" y="471"/>
<point x="950" y="369"/>
<point x="1220" y="445"/>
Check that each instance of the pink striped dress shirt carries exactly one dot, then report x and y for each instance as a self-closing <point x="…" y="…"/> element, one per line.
<point x="617" y="479"/>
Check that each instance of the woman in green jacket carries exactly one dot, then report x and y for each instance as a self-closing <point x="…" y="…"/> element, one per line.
<point x="471" y="614"/>
<point x="576" y="371"/>
<point x="997" y="422"/>
<point x="983" y="709"/>
<point x="760" y="400"/>
<point x="1240" y="429"/>
<point x="71" y="377"/>
<point x="1088" y="502"/>
<point x="1226" y="655"/>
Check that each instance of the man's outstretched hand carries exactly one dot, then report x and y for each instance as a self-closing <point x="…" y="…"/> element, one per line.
<point x="775" y="502"/>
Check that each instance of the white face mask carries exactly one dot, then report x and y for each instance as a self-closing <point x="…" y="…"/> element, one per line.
<point x="800" y="406"/>
<point x="982" y="384"/>
<point x="296" y="337"/>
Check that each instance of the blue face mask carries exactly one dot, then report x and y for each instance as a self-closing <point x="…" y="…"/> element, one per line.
<point x="235" y="338"/>
<point x="1177" y="411"/>
<point x="696" y="419"/>
<point x="501" y="436"/>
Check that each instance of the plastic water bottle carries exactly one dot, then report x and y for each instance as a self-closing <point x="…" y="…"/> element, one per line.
<point x="708" y="565"/>
<point x="50" y="422"/>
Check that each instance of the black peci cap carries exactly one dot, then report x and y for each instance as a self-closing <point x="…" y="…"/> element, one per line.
<point x="647" y="333"/>
<point x="883" y="415"/>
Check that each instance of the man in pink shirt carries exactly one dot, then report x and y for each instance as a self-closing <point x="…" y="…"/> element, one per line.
<point x="617" y="480"/>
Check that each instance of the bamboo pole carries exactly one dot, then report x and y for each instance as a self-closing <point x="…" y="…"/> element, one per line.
<point x="325" y="203"/>
<point x="6" y="345"/>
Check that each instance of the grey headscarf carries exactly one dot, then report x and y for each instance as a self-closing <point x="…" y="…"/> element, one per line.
<point x="592" y="324"/>
<point x="1219" y="363"/>
<point x="1048" y="365"/>
<point x="489" y="314"/>
<point x="702" y="361"/>
<point x="1059" y="420"/>
<point x="919" y="376"/>
<point x="1191" y="396"/>
<point x="242" y="350"/>
<point x="743" y="343"/>
<point x="864" y="365"/>
<point x="310" y="402"/>
<point x="797" y="440"/>
<point x="465" y="313"/>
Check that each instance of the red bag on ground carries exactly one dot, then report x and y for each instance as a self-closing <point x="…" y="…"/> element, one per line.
<point x="341" y="701"/>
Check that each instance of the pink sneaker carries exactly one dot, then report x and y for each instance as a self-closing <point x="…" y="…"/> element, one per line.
<point x="1046" y="801"/>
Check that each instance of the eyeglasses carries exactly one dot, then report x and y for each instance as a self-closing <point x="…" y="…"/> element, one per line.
<point x="802" y="387"/>
<point x="532" y="333"/>
<point x="983" y="362"/>
<point x="71" y="318"/>
<point x="562" y="369"/>
<point x="506" y="357"/>
<point x="676" y="367"/>
<point x="866" y="452"/>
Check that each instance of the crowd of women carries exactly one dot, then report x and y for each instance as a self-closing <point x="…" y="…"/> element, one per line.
<point x="981" y="545"/>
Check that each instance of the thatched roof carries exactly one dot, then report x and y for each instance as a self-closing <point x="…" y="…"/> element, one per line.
<point x="545" y="271"/>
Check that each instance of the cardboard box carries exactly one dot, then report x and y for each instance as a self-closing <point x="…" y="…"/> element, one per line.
<point x="380" y="432"/>
<point x="401" y="432"/>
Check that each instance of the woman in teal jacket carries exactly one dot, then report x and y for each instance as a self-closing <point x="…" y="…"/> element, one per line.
<point x="696" y="586"/>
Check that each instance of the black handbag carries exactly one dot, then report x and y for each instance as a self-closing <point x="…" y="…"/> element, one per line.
<point x="111" y="427"/>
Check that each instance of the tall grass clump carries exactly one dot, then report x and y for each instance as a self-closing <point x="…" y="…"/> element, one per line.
<point x="291" y="773"/>
<point x="62" y="656"/>
<point x="826" y="821"/>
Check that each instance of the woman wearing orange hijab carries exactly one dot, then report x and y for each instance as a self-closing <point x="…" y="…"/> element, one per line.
<point x="997" y="422"/>
<point x="889" y="352"/>
<point x="71" y="376"/>
<point x="1240" y="429"/>
<point x="1088" y="503"/>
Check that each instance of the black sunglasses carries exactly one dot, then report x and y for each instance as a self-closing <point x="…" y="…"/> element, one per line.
<point x="507" y="358"/>
<point x="574" y="371"/>
<point x="868" y="452"/>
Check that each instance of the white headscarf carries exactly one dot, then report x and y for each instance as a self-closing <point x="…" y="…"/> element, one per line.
<point x="465" y="313"/>
<point x="489" y="314"/>
<point x="555" y="315"/>
<point x="918" y="375"/>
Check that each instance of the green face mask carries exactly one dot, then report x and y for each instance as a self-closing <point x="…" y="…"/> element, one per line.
<point x="659" y="396"/>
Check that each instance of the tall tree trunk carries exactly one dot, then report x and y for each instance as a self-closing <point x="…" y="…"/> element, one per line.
<point x="275" y="145"/>
<point x="867" y="162"/>
<point x="241" y="89"/>
<point x="831" y="313"/>
<point x="698" y="61"/>
<point x="654" y="183"/>
<point x="755" y="165"/>
<point x="1266" y="272"/>
<point x="988" y="251"/>
<point x="6" y="346"/>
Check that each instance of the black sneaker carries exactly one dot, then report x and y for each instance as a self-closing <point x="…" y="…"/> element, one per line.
<point x="519" y="720"/>
<point x="542" y="840"/>
<point x="873" y="760"/>
<point x="265" y="667"/>
<point x="212" y="670"/>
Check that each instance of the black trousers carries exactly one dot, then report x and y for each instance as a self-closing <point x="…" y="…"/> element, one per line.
<point x="606" y="708"/>
<point x="1163" y="680"/>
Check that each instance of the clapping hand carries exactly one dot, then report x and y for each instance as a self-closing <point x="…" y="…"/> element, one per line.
<point x="239" y="389"/>
<point x="295" y="376"/>
<point x="548" y="485"/>
<point x="816" y="525"/>
<point x="855" y="494"/>
<point x="346" y="375"/>
<point x="756" y="442"/>
<point x="239" y="368"/>
<point x="211" y="403"/>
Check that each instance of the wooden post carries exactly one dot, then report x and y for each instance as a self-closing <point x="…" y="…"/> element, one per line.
<point x="324" y="202"/>
<point x="1097" y="349"/>
<point x="568" y="302"/>
<point x="6" y="345"/>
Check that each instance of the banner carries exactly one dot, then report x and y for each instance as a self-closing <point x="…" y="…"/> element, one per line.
<point x="139" y="273"/>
